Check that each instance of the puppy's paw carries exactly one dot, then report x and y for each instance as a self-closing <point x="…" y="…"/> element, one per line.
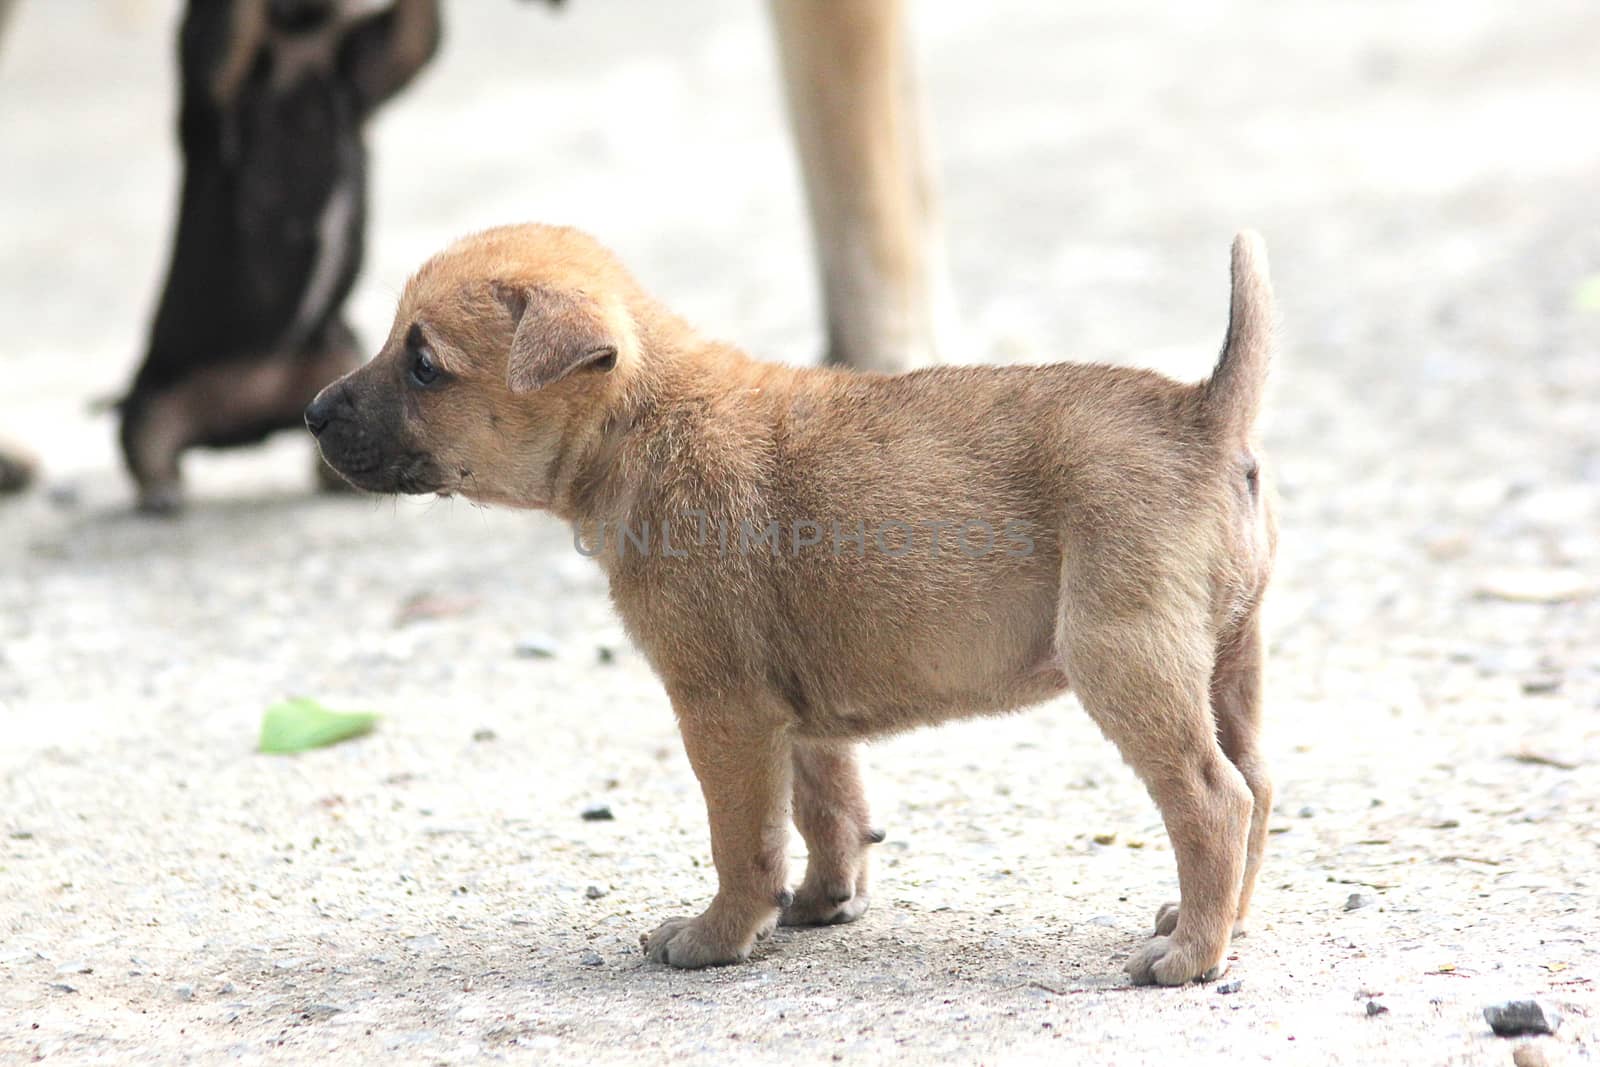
<point x="821" y="908"/>
<point x="161" y="499"/>
<point x="1167" y="920"/>
<point x="685" y="943"/>
<point x="1165" y="961"/>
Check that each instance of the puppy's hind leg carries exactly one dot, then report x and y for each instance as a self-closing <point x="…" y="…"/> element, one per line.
<point x="830" y="808"/>
<point x="1147" y="690"/>
<point x="1236" y="702"/>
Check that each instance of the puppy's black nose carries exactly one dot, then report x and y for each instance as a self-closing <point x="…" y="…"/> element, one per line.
<point x="320" y="411"/>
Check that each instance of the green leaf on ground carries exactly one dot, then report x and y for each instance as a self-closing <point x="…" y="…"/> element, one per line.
<point x="298" y="724"/>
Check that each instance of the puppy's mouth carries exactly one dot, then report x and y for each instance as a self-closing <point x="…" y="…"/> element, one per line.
<point x="357" y="455"/>
<point x="414" y="474"/>
<point x="359" y="461"/>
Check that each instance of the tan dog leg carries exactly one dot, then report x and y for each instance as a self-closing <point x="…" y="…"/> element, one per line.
<point x="854" y="109"/>
<point x="1236" y="703"/>
<point x="1135" y="689"/>
<point x="830" y="808"/>
<point x="743" y="765"/>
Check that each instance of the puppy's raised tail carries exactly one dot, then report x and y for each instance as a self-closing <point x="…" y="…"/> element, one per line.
<point x="1231" y="397"/>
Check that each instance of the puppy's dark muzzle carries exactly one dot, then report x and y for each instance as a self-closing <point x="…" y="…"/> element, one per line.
<point x="341" y="436"/>
<point x="365" y="447"/>
<point x="334" y="402"/>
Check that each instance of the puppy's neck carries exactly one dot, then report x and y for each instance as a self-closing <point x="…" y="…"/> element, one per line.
<point x="688" y="429"/>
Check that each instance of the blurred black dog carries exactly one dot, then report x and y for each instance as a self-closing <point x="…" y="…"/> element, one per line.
<point x="271" y="224"/>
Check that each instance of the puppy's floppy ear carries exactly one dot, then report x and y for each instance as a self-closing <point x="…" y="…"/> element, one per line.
<point x="556" y="334"/>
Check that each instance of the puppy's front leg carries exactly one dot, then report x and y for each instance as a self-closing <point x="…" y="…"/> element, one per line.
<point x="741" y="757"/>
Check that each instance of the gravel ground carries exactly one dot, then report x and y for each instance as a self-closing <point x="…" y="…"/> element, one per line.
<point x="424" y="894"/>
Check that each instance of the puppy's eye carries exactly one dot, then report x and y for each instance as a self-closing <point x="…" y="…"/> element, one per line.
<point x="423" y="371"/>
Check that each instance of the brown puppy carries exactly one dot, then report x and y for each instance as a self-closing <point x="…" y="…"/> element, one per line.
<point x="810" y="557"/>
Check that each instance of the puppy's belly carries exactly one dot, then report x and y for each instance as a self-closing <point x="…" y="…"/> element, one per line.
<point x="947" y="676"/>
<point x="847" y="719"/>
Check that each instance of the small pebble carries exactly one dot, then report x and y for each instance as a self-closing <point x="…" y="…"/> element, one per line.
<point x="594" y="892"/>
<point x="1226" y="988"/>
<point x="425" y="606"/>
<point x="1529" y="1055"/>
<point x="74" y="967"/>
<point x="537" y="646"/>
<point x="184" y="992"/>
<point x="1514" y="1018"/>
<point x="1104" y="839"/>
<point x="62" y="987"/>
<point x="590" y="958"/>
<point x="1449" y="546"/>
<point x="1374" y="1008"/>
<point x="604" y="654"/>
<point x="484" y="734"/>
<point x="1542" y="685"/>
<point x="1306" y="812"/>
<point x="598" y="813"/>
<point x="1357" y="900"/>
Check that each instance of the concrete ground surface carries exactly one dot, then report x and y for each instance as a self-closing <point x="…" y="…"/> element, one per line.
<point x="1425" y="174"/>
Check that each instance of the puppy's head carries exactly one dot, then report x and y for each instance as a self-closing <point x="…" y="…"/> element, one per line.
<point x="509" y="349"/>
